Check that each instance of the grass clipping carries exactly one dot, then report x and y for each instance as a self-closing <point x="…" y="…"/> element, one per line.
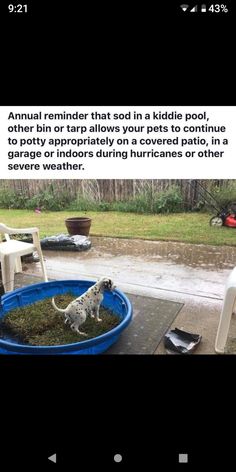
<point x="39" y="324"/>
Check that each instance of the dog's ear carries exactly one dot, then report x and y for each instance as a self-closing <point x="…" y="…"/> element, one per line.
<point x="108" y="283"/>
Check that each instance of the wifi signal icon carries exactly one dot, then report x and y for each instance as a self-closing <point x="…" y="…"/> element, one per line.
<point x="184" y="7"/>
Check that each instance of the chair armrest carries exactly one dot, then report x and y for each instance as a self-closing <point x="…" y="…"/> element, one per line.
<point x="7" y="230"/>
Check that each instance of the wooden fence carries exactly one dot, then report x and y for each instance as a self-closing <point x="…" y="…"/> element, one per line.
<point x="111" y="190"/>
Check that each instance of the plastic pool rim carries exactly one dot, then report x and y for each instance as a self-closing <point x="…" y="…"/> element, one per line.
<point x="77" y="348"/>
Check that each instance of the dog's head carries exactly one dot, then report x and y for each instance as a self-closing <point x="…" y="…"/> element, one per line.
<point x="106" y="284"/>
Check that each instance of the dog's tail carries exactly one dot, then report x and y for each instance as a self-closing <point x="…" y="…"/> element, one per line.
<point x="56" y="308"/>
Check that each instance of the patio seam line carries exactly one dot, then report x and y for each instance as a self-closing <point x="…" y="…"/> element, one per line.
<point x="156" y="288"/>
<point x="165" y="290"/>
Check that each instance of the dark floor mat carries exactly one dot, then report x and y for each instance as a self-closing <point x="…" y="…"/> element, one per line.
<point x="151" y="319"/>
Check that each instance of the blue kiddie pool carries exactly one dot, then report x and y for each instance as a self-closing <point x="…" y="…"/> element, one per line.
<point x="115" y="301"/>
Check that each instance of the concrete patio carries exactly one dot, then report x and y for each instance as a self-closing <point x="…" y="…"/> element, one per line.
<point x="194" y="275"/>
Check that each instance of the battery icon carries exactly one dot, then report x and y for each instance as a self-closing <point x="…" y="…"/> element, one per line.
<point x="203" y="8"/>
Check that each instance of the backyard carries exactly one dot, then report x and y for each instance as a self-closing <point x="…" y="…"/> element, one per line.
<point x="158" y="248"/>
<point x="187" y="227"/>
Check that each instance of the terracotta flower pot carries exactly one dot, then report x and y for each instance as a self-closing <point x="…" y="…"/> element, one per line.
<point x="78" y="225"/>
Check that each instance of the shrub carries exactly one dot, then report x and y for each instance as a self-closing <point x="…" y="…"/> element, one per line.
<point x="225" y="195"/>
<point x="11" y="199"/>
<point x="166" y="201"/>
<point x="169" y="201"/>
<point x="54" y="199"/>
<point x="103" y="206"/>
<point x="143" y="203"/>
<point x="139" y="204"/>
<point x="82" y="204"/>
<point x="126" y="206"/>
<point x="50" y="199"/>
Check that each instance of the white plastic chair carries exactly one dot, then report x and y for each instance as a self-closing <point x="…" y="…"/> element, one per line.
<point x="226" y="313"/>
<point x="11" y="251"/>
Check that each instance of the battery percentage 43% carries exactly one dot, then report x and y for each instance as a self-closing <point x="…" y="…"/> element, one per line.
<point x="218" y="8"/>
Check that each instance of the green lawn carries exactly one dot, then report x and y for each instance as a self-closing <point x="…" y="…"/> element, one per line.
<point x="186" y="227"/>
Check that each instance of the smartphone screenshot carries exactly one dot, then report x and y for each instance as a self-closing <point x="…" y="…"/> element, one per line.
<point x="117" y="235"/>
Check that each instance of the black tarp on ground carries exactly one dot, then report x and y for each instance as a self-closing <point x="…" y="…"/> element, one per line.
<point x="63" y="242"/>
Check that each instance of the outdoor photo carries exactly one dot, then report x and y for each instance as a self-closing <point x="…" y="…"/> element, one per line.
<point x="117" y="267"/>
<point x="117" y="236"/>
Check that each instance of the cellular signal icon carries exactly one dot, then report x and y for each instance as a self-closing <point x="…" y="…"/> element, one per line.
<point x="184" y="7"/>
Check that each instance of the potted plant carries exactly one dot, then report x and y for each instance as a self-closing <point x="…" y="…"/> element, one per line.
<point x="78" y="225"/>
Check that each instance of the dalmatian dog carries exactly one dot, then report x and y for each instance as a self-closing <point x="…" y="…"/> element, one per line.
<point x="87" y="304"/>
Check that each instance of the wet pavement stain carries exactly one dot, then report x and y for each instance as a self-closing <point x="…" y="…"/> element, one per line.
<point x="191" y="255"/>
<point x="138" y="265"/>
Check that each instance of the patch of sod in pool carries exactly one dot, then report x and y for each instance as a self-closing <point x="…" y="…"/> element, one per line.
<point x="39" y="324"/>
